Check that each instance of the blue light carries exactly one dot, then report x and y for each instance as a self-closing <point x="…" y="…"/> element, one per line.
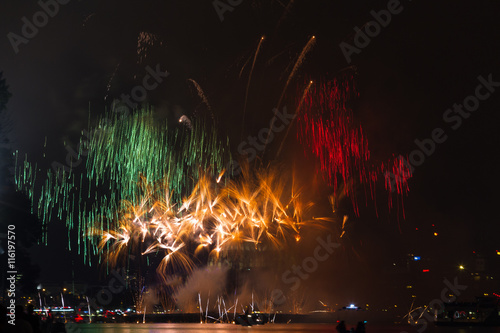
<point x="416" y="258"/>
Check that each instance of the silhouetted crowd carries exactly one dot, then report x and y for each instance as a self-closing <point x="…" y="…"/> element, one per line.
<point x="28" y="322"/>
<point x="360" y="328"/>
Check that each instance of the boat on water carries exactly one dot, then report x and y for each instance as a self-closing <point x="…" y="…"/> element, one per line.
<point x="485" y="311"/>
<point x="250" y="318"/>
<point x="351" y="314"/>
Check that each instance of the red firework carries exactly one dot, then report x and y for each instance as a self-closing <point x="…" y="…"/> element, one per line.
<point x="327" y="128"/>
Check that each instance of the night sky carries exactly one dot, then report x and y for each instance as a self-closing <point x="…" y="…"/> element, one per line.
<point x="427" y="58"/>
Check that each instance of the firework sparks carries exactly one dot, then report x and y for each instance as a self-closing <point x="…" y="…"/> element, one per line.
<point x="327" y="128"/>
<point x="248" y="83"/>
<point x="218" y="217"/>
<point x="118" y="152"/>
<point x="145" y="41"/>
<point x="299" y="61"/>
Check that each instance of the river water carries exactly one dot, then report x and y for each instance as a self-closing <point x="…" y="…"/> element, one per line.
<point x="275" y="328"/>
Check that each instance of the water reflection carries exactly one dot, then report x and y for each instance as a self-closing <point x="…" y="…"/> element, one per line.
<point x="275" y="328"/>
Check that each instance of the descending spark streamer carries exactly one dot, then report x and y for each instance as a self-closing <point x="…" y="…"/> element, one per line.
<point x="248" y="83"/>
<point x="299" y="62"/>
<point x="326" y="126"/>
<point x="202" y="95"/>
<point x="397" y="173"/>
<point x="145" y="41"/>
<point x="260" y="209"/>
<point x="117" y="152"/>
<point x="296" y="111"/>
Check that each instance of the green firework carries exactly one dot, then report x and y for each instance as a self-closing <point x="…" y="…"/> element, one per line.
<point x="116" y="153"/>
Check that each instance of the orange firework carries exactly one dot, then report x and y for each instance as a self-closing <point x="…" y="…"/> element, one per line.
<point x="260" y="208"/>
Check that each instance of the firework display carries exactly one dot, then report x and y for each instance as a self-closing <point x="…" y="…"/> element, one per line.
<point x="157" y="195"/>
<point x="258" y="209"/>
<point x="117" y="152"/>
<point x="193" y="166"/>
<point x="146" y="180"/>
<point x="327" y="128"/>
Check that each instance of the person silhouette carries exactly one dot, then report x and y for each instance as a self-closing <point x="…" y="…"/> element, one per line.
<point x="22" y="325"/>
<point x="360" y="328"/>
<point x="33" y="319"/>
<point x="47" y="324"/>
<point x="341" y="327"/>
<point x="4" y="325"/>
<point x="58" y="327"/>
